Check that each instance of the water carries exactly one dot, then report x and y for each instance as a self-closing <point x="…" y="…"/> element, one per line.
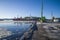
<point x="15" y="29"/>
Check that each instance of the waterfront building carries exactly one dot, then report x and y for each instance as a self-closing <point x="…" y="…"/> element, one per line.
<point x="48" y="20"/>
<point x="56" y="20"/>
<point x="27" y="19"/>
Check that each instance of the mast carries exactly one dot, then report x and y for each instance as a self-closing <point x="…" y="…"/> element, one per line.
<point x="42" y="9"/>
<point x="30" y="14"/>
<point x="52" y="17"/>
<point x="52" y="14"/>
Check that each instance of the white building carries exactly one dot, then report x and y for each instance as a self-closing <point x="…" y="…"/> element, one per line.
<point x="56" y="20"/>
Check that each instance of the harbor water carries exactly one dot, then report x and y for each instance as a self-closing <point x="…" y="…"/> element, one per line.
<point x="13" y="31"/>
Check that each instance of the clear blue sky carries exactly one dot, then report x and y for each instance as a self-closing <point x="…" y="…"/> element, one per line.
<point x="14" y="8"/>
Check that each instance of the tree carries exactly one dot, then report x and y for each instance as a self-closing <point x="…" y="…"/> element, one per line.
<point x="42" y="19"/>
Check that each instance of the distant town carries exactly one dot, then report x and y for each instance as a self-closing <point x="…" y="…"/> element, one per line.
<point x="53" y="19"/>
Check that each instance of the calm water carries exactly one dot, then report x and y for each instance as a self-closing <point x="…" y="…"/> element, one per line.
<point x="15" y="28"/>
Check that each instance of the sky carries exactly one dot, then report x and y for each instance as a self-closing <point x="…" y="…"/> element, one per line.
<point x="23" y="8"/>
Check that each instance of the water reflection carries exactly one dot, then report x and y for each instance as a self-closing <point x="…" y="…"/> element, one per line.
<point x="14" y="28"/>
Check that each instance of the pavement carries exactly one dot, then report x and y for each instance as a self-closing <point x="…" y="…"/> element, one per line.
<point x="38" y="34"/>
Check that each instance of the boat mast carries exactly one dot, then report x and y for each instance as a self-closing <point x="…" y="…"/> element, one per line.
<point x="52" y="16"/>
<point x="41" y="10"/>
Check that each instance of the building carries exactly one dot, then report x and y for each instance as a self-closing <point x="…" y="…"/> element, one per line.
<point x="48" y="20"/>
<point x="27" y="19"/>
<point x="56" y="20"/>
<point x="32" y="18"/>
